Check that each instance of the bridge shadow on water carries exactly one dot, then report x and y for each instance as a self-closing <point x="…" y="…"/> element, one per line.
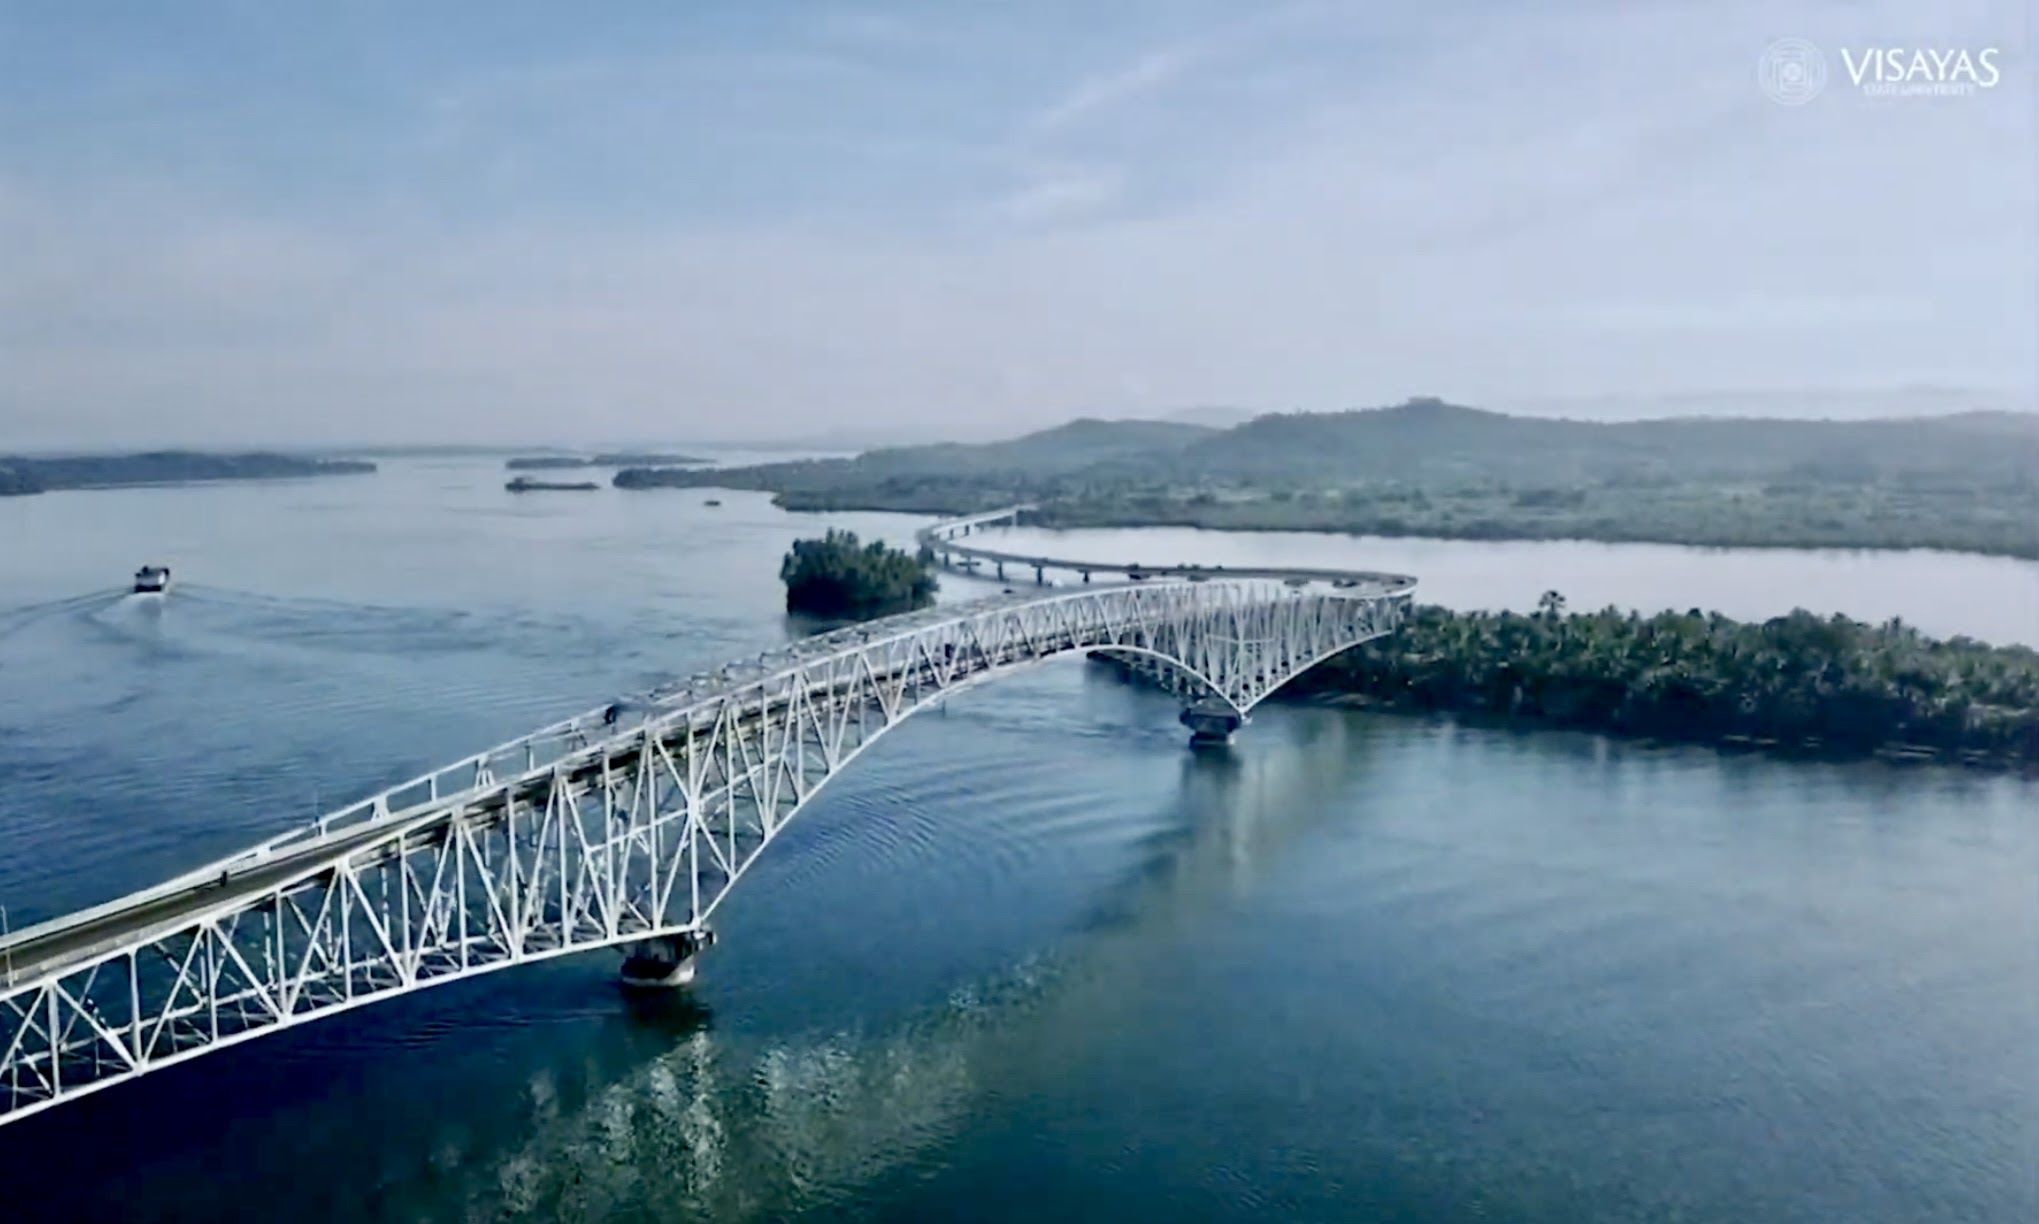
<point x="546" y="1093"/>
<point x="851" y="1122"/>
<point x="202" y="1141"/>
<point x="1239" y="807"/>
<point x="848" y="1122"/>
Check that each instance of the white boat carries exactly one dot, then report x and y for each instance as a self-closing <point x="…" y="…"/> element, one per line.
<point x="664" y="961"/>
<point x="152" y="580"/>
<point x="656" y="975"/>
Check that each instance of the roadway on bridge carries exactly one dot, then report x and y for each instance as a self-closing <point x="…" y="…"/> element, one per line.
<point x="56" y="945"/>
<point x="949" y="537"/>
<point x="34" y="951"/>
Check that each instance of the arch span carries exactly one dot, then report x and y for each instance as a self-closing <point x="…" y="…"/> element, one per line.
<point x="628" y="822"/>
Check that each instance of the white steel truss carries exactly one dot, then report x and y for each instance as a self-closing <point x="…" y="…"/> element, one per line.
<point x="624" y="823"/>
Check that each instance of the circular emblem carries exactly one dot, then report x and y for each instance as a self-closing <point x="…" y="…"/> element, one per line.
<point x="1792" y="71"/>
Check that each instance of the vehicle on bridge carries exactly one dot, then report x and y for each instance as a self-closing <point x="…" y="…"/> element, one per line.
<point x="606" y="832"/>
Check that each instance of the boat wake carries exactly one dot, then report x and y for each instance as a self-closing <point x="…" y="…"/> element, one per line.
<point x="14" y="620"/>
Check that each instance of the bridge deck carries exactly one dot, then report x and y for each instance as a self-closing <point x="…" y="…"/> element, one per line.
<point x="946" y="537"/>
<point x="50" y="946"/>
<point x="630" y="820"/>
<point x="34" y="951"/>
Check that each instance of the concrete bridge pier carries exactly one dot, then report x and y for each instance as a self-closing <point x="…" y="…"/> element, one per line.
<point x="1211" y="722"/>
<point x="1040" y="575"/>
<point x="1001" y="571"/>
<point x="665" y="961"/>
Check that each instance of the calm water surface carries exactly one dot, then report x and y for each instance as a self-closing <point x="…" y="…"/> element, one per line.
<point x="1995" y="599"/>
<point x="1033" y="957"/>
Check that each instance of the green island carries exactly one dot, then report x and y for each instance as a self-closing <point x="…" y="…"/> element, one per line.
<point x="1798" y="682"/>
<point x="545" y="463"/>
<point x="648" y="459"/>
<point x="1965" y="482"/>
<point x="838" y="577"/>
<point x="21" y="474"/>
<point x="616" y="459"/>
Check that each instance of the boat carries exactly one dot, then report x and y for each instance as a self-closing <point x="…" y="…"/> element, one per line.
<point x="524" y="484"/>
<point x="152" y="580"/>
<point x="711" y="502"/>
<point x="650" y="973"/>
<point x="664" y="961"/>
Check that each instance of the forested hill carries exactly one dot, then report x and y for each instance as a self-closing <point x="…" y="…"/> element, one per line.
<point x="1434" y="441"/>
<point x="1429" y="442"/>
<point x="1075" y="447"/>
<point x="955" y="475"/>
<point x="1966" y="482"/>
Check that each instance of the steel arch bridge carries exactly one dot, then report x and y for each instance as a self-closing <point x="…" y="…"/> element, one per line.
<point x="627" y="824"/>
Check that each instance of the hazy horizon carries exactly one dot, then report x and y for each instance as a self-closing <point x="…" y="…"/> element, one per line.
<point x="373" y="226"/>
<point x="1834" y="406"/>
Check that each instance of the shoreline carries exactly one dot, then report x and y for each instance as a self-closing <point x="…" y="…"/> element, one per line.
<point x="106" y="486"/>
<point x="1051" y="521"/>
<point x="1469" y="537"/>
<point x="21" y="476"/>
<point x="1798" y="685"/>
<point x="1053" y="517"/>
<point x="1811" y="750"/>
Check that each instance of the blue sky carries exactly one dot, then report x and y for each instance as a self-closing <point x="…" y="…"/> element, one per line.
<point x="265" y="222"/>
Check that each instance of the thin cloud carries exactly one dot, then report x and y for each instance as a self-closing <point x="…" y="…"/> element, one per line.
<point x="677" y="254"/>
<point x="1061" y="195"/>
<point x="1144" y="75"/>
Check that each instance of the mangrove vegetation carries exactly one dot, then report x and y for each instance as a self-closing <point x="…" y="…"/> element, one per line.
<point x="1802" y="681"/>
<point x="839" y="577"/>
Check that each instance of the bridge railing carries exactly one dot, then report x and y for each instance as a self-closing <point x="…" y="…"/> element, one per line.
<point x="586" y="733"/>
<point x="946" y="539"/>
<point x="550" y="745"/>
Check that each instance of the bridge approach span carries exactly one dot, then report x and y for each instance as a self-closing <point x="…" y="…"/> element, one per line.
<point x="949" y="543"/>
<point x="628" y="823"/>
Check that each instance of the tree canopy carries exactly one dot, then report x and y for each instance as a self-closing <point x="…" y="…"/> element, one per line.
<point x="22" y="474"/>
<point x="838" y="576"/>
<point x="1798" y="681"/>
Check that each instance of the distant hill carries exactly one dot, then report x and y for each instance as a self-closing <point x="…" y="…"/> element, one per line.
<point x="1994" y="424"/>
<point x="647" y="459"/>
<point x="21" y="474"/>
<point x="1430" y="441"/>
<point x="1213" y="417"/>
<point x="1065" y="448"/>
<point x="1427" y="467"/>
<point x="946" y="474"/>
<point x="1800" y="405"/>
<point x="540" y="463"/>
<point x="1427" y="442"/>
